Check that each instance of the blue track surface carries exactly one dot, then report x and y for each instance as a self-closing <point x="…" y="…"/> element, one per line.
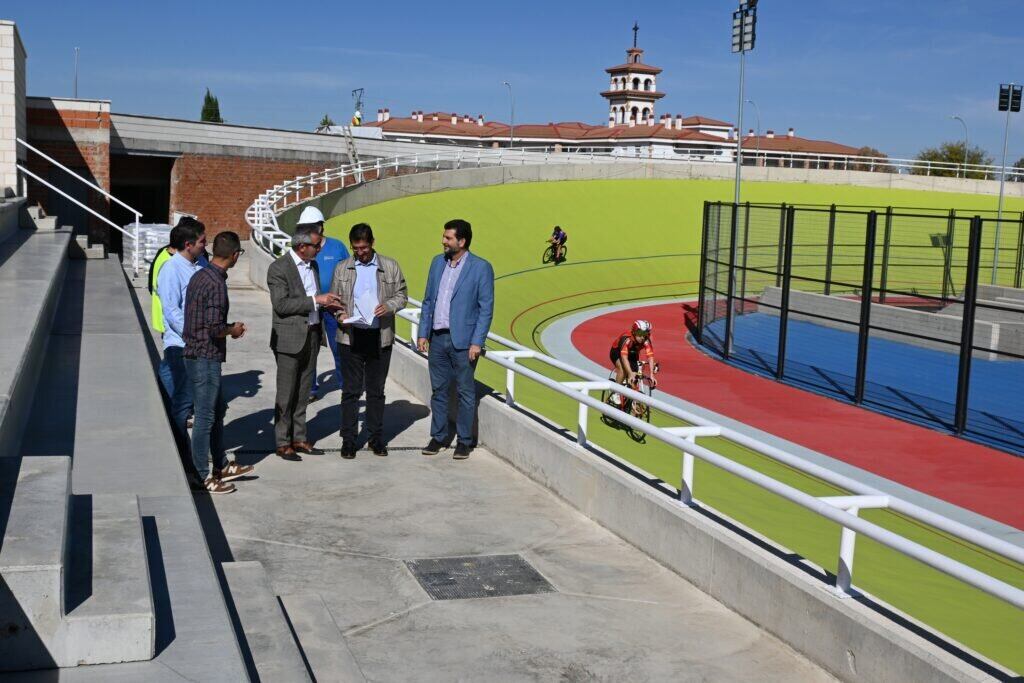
<point x="903" y="380"/>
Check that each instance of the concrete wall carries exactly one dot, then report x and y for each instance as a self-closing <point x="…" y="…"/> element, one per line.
<point x="999" y="336"/>
<point x="9" y="210"/>
<point x="791" y="600"/>
<point x="12" y="106"/>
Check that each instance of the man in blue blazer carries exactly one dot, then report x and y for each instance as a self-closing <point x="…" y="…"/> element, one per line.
<point x="457" y="310"/>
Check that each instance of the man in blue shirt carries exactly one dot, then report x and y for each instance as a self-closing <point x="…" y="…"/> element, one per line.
<point x="188" y="238"/>
<point x="331" y="254"/>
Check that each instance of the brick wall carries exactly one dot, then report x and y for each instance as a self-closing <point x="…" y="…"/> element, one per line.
<point x="12" y="106"/>
<point x="218" y="189"/>
<point x="76" y="133"/>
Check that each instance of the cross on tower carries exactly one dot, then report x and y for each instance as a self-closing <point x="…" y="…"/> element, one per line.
<point x="636" y="28"/>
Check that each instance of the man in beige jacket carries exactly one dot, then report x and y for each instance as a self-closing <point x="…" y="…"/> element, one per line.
<point x="372" y="289"/>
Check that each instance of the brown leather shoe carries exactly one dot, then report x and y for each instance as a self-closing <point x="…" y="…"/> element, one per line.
<point x="307" y="448"/>
<point x="287" y="453"/>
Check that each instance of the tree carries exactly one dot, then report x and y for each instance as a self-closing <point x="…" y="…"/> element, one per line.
<point x="326" y="121"/>
<point x="211" y="109"/>
<point x="876" y="164"/>
<point x="948" y="155"/>
<point x="1017" y="175"/>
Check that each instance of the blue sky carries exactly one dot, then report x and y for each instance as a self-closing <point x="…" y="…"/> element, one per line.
<point x="885" y="73"/>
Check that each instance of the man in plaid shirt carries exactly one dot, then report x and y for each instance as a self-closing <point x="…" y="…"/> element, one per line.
<point x="205" y="334"/>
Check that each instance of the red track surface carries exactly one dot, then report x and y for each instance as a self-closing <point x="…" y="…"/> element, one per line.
<point x="969" y="475"/>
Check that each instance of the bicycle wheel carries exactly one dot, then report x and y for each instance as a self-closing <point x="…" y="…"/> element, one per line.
<point x="549" y="254"/>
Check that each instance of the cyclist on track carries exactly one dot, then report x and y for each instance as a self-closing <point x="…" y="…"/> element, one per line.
<point x="558" y="238"/>
<point x="625" y="355"/>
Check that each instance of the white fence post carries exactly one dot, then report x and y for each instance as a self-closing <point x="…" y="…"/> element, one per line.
<point x="844" y="572"/>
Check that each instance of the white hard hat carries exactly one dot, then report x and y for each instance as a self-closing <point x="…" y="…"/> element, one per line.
<point x="311" y="214"/>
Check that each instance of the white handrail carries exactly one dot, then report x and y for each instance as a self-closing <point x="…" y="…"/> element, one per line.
<point x="840" y="509"/>
<point x="265" y="207"/>
<point x="138" y="215"/>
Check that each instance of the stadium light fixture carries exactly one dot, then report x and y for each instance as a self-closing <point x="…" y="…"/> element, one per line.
<point x="1009" y="101"/>
<point x="744" y="30"/>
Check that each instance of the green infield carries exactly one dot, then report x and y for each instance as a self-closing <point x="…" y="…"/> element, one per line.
<point x="634" y="240"/>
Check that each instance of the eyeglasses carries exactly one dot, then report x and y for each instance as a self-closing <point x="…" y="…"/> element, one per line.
<point x="241" y="251"/>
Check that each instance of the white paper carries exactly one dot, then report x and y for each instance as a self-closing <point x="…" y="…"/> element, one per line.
<point x="365" y="304"/>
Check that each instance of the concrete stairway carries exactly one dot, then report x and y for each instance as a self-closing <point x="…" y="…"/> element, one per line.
<point x="32" y="218"/>
<point x="51" y="616"/>
<point x="103" y="559"/>
<point x="289" y="638"/>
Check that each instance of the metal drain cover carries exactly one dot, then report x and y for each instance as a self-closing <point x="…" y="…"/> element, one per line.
<point x="482" y="576"/>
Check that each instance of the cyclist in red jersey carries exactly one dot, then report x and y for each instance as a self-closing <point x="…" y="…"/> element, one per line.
<point x="625" y="354"/>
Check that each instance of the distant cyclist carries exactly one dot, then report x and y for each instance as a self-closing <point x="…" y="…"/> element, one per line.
<point x="558" y="239"/>
<point x="625" y="355"/>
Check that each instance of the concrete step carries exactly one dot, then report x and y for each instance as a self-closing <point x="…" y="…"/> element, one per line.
<point x="80" y="249"/>
<point x="274" y="652"/>
<point x="36" y="492"/>
<point x="32" y="267"/>
<point x="324" y="647"/>
<point x="116" y="623"/>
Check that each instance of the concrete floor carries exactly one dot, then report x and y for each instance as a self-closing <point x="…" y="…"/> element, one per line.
<point x="344" y="529"/>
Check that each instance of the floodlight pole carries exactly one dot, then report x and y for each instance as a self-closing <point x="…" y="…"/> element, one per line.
<point x="757" y="111"/>
<point x="76" y="74"/>
<point x="1002" y="182"/>
<point x="512" y="115"/>
<point x="966" y="147"/>
<point x="739" y="129"/>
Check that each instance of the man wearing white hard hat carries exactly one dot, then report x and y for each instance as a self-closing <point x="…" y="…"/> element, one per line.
<point x="330" y="255"/>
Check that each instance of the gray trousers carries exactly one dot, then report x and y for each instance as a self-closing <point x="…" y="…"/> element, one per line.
<point x="294" y="382"/>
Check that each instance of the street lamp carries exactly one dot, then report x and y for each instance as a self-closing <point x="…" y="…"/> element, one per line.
<point x="512" y="115"/>
<point x="757" y="110"/>
<point x="744" y="20"/>
<point x="1009" y="100"/>
<point x="966" y="148"/>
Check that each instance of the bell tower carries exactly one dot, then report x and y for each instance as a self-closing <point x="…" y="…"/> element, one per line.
<point x="633" y="89"/>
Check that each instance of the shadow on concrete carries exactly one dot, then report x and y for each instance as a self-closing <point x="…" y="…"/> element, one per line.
<point x="220" y="549"/>
<point x="246" y="384"/>
<point x="158" y="583"/>
<point x="78" y="571"/>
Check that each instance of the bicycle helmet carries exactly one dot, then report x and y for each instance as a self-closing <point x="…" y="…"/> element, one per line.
<point x="642" y="328"/>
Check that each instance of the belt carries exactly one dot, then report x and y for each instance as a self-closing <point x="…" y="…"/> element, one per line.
<point x="443" y="330"/>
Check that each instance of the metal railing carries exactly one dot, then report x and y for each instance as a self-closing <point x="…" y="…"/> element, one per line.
<point x="843" y="510"/>
<point x="134" y="234"/>
<point x="261" y="215"/>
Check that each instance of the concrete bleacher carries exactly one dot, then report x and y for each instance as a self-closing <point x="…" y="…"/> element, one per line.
<point x="103" y="559"/>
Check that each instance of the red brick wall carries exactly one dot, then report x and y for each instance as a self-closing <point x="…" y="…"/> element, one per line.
<point x="218" y="189"/>
<point x="53" y="132"/>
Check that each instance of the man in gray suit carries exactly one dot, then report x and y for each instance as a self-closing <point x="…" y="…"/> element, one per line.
<point x="295" y="337"/>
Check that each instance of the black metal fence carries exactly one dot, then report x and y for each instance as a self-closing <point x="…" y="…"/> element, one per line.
<point x="916" y="313"/>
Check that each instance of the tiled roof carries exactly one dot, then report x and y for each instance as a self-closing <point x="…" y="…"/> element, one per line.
<point x="633" y="94"/>
<point x="636" y="67"/>
<point x="576" y="130"/>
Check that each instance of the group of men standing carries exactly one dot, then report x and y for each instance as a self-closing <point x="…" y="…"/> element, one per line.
<point x="354" y="316"/>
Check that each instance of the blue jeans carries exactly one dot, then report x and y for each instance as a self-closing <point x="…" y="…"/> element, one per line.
<point x="448" y="363"/>
<point x="179" y="392"/>
<point x="331" y="337"/>
<point x="208" y="428"/>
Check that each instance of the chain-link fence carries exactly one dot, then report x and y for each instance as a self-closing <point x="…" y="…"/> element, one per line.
<point x="919" y="314"/>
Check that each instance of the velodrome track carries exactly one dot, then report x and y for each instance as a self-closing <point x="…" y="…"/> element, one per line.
<point x="633" y="241"/>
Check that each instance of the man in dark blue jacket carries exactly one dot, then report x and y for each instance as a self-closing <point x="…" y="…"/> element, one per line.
<point x="458" y="306"/>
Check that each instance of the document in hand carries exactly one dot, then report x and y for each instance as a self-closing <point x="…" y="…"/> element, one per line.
<point x="365" y="304"/>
